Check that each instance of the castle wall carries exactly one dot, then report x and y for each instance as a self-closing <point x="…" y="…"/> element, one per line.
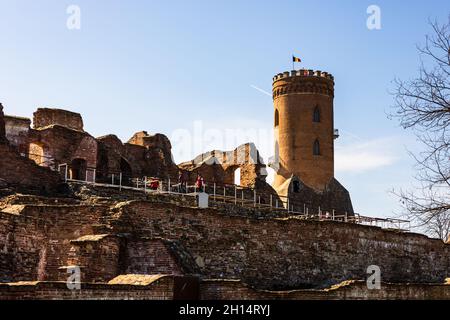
<point x="143" y="157"/>
<point x="164" y="289"/>
<point x="63" y="145"/>
<point x="35" y="240"/>
<point x="271" y="254"/>
<point x="17" y="131"/>
<point x="220" y="166"/>
<point x="44" y="117"/>
<point x="150" y="256"/>
<point x="289" y="253"/>
<point x="23" y="174"/>
<point x="236" y="290"/>
<point x="98" y="256"/>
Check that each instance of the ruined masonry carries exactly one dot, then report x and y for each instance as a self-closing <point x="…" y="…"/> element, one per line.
<point x="62" y="207"/>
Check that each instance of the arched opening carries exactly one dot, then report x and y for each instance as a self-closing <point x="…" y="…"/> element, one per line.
<point x="296" y="186"/>
<point x="237" y="176"/>
<point x="36" y="153"/>
<point x="125" y="168"/>
<point x="316" y="115"/>
<point x="277" y="118"/>
<point x="316" y="148"/>
<point x="78" y="169"/>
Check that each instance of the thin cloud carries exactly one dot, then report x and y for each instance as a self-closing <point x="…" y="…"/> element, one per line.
<point x="261" y="90"/>
<point x="361" y="156"/>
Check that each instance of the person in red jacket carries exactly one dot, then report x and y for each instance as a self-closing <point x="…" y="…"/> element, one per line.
<point x="200" y="183"/>
<point x="154" y="184"/>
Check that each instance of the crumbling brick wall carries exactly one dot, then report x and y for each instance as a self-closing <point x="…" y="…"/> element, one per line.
<point x="150" y="256"/>
<point x="289" y="253"/>
<point x="44" y="117"/>
<point x="22" y="174"/>
<point x="97" y="255"/>
<point x="218" y="289"/>
<point x="17" y="132"/>
<point x="143" y="155"/>
<point x="162" y="289"/>
<point x="262" y="252"/>
<point x="36" y="239"/>
<point x="220" y="166"/>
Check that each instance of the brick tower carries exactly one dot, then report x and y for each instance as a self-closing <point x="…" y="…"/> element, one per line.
<point x="304" y="130"/>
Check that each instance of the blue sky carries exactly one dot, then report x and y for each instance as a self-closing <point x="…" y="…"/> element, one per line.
<point x="162" y="66"/>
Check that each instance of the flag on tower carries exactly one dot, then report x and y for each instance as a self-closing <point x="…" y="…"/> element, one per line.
<point x="295" y="59"/>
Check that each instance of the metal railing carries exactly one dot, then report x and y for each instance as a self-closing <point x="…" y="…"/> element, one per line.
<point x="244" y="197"/>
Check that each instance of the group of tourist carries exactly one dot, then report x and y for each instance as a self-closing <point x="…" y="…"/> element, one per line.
<point x="182" y="183"/>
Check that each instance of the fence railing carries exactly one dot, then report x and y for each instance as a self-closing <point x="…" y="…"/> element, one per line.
<point x="240" y="196"/>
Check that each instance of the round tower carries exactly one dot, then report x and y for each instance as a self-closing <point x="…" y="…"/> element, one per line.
<point x="304" y="130"/>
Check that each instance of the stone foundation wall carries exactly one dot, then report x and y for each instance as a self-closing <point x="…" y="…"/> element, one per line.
<point x="164" y="289"/>
<point x="35" y="240"/>
<point x="148" y="256"/>
<point x="271" y="254"/>
<point x="351" y="290"/>
<point x="288" y="253"/>
<point x="161" y="289"/>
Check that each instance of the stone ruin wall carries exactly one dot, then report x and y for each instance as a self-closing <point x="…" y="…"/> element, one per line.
<point x="273" y="253"/>
<point x="44" y="117"/>
<point x="21" y="174"/>
<point x="165" y="288"/>
<point x="270" y="254"/>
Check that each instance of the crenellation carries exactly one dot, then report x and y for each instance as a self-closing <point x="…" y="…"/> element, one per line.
<point x="303" y="73"/>
<point x="132" y="242"/>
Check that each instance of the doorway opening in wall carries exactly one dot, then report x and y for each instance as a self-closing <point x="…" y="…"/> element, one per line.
<point x="237" y="176"/>
<point x="296" y="186"/>
<point x="127" y="173"/>
<point x="78" y="169"/>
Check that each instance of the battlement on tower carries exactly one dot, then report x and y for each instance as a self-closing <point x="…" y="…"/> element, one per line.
<point x="303" y="73"/>
<point x="303" y="81"/>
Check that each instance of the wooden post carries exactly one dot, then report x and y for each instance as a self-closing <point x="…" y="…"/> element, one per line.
<point x="214" y="191"/>
<point x="112" y="179"/>
<point x="235" y="195"/>
<point x="120" y="182"/>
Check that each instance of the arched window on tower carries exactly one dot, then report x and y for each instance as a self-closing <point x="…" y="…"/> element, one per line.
<point x="316" y="115"/>
<point x="316" y="148"/>
<point x="277" y="118"/>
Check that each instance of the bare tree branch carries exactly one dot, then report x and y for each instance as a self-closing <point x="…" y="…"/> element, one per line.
<point x="423" y="106"/>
